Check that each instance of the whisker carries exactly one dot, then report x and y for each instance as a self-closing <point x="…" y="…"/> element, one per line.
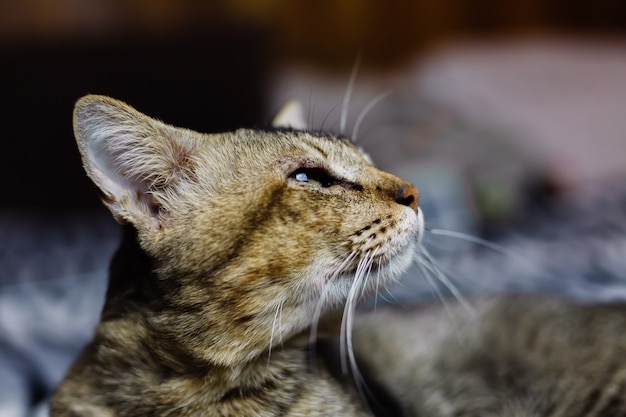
<point x="342" y="342"/>
<point x="327" y="116"/>
<point x="426" y="271"/>
<point x="377" y="287"/>
<point x="269" y="352"/>
<point x="368" y="271"/>
<point x="482" y="242"/>
<point x="348" y="95"/>
<point x="473" y="239"/>
<point x="350" y="326"/>
<point x="322" y="300"/>
<point x="359" y="381"/>
<point x="350" y="302"/>
<point x="280" y="320"/>
<point x="433" y="284"/>
<point x="318" y="312"/>
<point x="443" y="278"/>
<point x="348" y="259"/>
<point x="310" y="110"/>
<point x="362" y="275"/>
<point x="365" y="111"/>
<point x="393" y="299"/>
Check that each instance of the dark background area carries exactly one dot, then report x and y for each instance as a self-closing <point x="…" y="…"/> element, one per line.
<point x="203" y="65"/>
<point x="207" y="82"/>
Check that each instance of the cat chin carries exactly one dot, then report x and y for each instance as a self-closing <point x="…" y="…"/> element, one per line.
<point x="385" y="273"/>
<point x="399" y="264"/>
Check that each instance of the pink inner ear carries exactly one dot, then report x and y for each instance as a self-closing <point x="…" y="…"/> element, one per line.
<point x="132" y="158"/>
<point x="123" y="163"/>
<point x="128" y="199"/>
<point x="113" y="168"/>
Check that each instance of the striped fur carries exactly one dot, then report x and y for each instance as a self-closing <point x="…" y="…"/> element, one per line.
<point x="230" y="256"/>
<point x="518" y="356"/>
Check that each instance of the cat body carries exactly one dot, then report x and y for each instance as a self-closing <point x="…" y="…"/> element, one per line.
<point x="242" y="249"/>
<point x="515" y="356"/>
<point x="236" y="245"/>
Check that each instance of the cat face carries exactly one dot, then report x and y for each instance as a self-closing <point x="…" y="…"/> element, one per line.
<point x="261" y="231"/>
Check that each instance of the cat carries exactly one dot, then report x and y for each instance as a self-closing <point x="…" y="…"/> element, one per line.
<point x="515" y="356"/>
<point x="239" y="250"/>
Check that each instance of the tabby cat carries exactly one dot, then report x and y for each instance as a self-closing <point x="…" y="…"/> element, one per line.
<point x="242" y="248"/>
<point x="238" y="248"/>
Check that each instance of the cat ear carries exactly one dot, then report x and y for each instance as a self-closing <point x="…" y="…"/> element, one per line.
<point x="132" y="158"/>
<point x="290" y="116"/>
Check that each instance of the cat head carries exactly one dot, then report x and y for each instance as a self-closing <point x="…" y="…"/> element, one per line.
<point x="261" y="231"/>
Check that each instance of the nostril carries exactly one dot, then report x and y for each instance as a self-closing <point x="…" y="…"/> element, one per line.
<point x="409" y="196"/>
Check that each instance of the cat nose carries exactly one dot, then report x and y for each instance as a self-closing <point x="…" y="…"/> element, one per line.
<point x="408" y="195"/>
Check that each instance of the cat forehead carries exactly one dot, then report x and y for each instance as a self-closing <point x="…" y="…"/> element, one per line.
<point x="251" y="152"/>
<point x="299" y="143"/>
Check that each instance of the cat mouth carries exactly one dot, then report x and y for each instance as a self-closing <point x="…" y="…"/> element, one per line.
<point x="382" y="251"/>
<point x="379" y="260"/>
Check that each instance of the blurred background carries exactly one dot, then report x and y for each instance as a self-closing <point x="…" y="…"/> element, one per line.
<point x="218" y="65"/>
<point x="510" y="116"/>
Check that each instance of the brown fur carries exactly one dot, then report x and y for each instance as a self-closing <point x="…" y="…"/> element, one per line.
<point x="517" y="356"/>
<point x="225" y="260"/>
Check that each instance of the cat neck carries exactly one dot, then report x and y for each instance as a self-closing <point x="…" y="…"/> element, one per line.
<point x="283" y="382"/>
<point x="138" y="297"/>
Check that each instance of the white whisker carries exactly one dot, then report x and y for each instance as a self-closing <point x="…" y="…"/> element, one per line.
<point x="347" y="311"/>
<point x="427" y="271"/>
<point x="443" y="278"/>
<point x="310" y="109"/>
<point x="276" y="314"/>
<point x="348" y="259"/>
<point x="348" y="95"/>
<point x="433" y="284"/>
<point x="358" y="378"/>
<point x="321" y="302"/>
<point x="280" y="320"/>
<point x="392" y="298"/>
<point x="472" y="239"/>
<point x="364" y="112"/>
<point x="368" y="271"/>
<point x="377" y="287"/>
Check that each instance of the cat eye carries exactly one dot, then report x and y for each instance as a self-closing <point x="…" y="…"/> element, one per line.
<point x="302" y="177"/>
<point x="315" y="176"/>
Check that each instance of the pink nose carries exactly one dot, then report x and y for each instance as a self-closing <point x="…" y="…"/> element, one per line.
<point x="409" y="195"/>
